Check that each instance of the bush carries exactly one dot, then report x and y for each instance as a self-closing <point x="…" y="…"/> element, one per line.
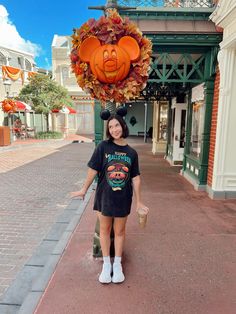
<point x="48" y="135"/>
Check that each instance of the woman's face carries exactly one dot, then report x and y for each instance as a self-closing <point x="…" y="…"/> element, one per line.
<point x="115" y="129"/>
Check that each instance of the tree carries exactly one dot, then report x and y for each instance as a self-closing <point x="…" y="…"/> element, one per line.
<point x="45" y="95"/>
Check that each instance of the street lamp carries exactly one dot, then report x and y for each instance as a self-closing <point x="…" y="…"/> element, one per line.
<point x="7" y="85"/>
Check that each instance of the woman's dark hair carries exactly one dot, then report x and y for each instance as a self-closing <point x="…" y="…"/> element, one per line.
<point x="123" y="124"/>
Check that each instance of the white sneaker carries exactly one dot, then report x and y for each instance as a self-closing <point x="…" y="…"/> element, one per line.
<point x="118" y="275"/>
<point x="105" y="276"/>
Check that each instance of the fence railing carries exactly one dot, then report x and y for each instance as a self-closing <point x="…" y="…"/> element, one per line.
<point x="169" y="3"/>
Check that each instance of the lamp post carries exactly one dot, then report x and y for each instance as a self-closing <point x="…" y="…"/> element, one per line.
<point x="7" y="86"/>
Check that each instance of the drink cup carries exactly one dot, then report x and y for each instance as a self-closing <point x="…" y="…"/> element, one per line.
<point x="142" y="216"/>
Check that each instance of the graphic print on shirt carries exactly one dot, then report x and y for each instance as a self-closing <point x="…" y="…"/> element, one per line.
<point x="117" y="170"/>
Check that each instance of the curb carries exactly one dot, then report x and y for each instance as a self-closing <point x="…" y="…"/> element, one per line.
<point x="24" y="294"/>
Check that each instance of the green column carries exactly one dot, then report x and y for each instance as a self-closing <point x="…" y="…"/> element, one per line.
<point x="209" y="93"/>
<point x="188" y="129"/>
<point x="98" y="123"/>
<point x="169" y="127"/>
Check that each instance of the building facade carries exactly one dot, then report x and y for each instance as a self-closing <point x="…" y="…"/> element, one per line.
<point x="222" y="174"/>
<point x="83" y="121"/>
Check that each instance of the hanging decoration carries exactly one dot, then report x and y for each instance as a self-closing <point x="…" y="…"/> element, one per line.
<point x="13" y="73"/>
<point x="9" y="106"/>
<point x="31" y="74"/>
<point x="110" y="58"/>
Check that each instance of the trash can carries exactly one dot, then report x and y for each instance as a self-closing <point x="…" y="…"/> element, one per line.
<point x="5" y="136"/>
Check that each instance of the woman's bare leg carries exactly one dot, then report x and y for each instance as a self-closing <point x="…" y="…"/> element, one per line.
<point x="105" y="231"/>
<point x="119" y="231"/>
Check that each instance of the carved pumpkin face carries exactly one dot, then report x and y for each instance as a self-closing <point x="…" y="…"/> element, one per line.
<point x="109" y="63"/>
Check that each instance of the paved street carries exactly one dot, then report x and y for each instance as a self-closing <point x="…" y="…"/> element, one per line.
<point x="182" y="263"/>
<point x="35" y="182"/>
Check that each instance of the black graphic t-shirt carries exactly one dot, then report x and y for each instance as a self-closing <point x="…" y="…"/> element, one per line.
<point x="116" y="166"/>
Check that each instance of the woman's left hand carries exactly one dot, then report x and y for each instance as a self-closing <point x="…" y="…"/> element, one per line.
<point x="143" y="207"/>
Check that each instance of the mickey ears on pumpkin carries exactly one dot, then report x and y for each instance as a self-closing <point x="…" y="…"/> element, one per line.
<point x="130" y="45"/>
<point x="105" y="113"/>
<point x="90" y="44"/>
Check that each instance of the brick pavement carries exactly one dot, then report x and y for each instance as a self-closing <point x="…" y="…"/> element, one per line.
<point x="35" y="181"/>
<point x="183" y="262"/>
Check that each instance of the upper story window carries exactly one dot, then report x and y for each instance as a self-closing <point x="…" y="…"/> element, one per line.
<point x="65" y="73"/>
<point x="20" y="62"/>
<point x="28" y="65"/>
<point x="3" y="60"/>
<point x="14" y="62"/>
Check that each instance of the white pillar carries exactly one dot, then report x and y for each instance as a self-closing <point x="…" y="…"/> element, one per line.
<point x="155" y="124"/>
<point x="224" y="171"/>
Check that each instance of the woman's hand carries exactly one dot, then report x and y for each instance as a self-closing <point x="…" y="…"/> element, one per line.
<point x="143" y="207"/>
<point x="78" y="194"/>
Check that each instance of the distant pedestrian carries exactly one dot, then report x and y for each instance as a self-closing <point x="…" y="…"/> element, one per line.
<point x="117" y="166"/>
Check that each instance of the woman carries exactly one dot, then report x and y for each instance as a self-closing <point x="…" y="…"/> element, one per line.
<point x="116" y="164"/>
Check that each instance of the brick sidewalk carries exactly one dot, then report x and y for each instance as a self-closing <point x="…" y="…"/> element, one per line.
<point x="182" y="263"/>
<point x="35" y="179"/>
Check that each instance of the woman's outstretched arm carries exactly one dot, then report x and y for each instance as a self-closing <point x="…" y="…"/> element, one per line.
<point x="91" y="174"/>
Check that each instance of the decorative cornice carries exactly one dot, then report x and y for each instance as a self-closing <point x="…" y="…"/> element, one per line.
<point x="163" y="13"/>
<point x="224" y="12"/>
<point x="177" y="41"/>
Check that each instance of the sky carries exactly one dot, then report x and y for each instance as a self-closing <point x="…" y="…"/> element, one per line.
<point x="30" y="25"/>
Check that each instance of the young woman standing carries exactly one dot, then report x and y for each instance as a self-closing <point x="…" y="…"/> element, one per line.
<point x="117" y="167"/>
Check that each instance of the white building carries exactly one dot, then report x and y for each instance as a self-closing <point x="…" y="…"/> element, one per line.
<point x="224" y="169"/>
<point x="15" y="69"/>
<point x="83" y="121"/>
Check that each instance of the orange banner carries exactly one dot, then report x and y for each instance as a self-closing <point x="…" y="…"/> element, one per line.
<point x="13" y="73"/>
<point x="31" y="74"/>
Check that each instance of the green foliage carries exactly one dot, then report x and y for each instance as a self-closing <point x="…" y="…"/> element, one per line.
<point x="44" y="94"/>
<point x="48" y="135"/>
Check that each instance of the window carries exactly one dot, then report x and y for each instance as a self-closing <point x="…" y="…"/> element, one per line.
<point x="3" y="59"/>
<point x="198" y="117"/>
<point x="65" y="73"/>
<point x="28" y="66"/>
<point x="172" y="126"/>
<point x="20" y="63"/>
<point x="14" y="62"/>
<point x="182" y="129"/>
<point x="163" y="121"/>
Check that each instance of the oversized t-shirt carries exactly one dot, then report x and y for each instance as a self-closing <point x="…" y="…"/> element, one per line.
<point x="116" y="166"/>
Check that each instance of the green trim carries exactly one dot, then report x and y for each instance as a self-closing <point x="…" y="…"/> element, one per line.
<point x="163" y="13"/>
<point x="192" y="164"/>
<point x="209" y="93"/>
<point x="174" y="42"/>
<point x="98" y="123"/>
<point x="169" y="146"/>
<point x="188" y="130"/>
<point x="184" y="70"/>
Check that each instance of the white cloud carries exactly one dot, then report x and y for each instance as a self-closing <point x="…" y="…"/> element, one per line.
<point x="10" y="38"/>
<point x="48" y="65"/>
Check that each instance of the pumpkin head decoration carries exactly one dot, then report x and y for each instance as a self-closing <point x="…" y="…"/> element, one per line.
<point x="109" y="63"/>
